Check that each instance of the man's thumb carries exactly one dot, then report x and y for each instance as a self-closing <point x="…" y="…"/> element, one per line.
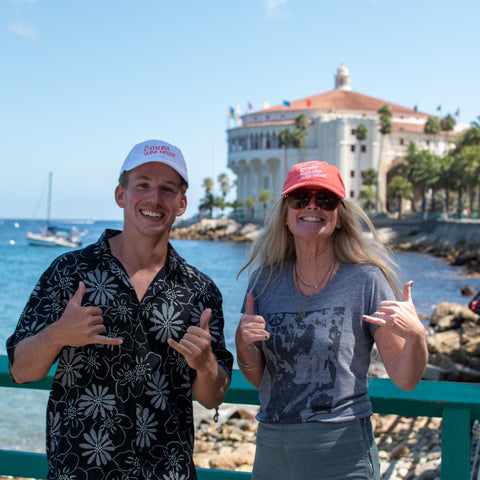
<point x="204" y="318"/>
<point x="78" y="296"/>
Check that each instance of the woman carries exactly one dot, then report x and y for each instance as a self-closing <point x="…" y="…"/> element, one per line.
<point x="321" y="294"/>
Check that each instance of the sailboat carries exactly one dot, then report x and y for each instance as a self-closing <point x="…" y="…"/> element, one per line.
<point x="52" y="236"/>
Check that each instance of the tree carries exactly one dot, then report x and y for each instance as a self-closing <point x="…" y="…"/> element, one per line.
<point x="224" y="182"/>
<point x="207" y="204"/>
<point x="361" y="133"/>
<point x="369" y="198"/>
<point x="421" y="170"/>
<point x="265" y="197"/>
<point x="447" y="124"/>
<point x="250" y="204"/>
<point x="370" y="180"/>
<point x="432" y="126"/>
<point x="301" y="122"/>
<point x="208" y="201"/>
<point x="235" y="205"/>
<point x="400" y="188"/>
<point x="220" y="203"/>
<point x="208" y="184"/>
<point x="285" y="140"/>
<point x="385" y="128"/>
<point x="385" y="120"/>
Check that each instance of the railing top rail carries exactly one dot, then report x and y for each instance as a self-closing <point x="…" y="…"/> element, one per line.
<point x="428" y="399"/>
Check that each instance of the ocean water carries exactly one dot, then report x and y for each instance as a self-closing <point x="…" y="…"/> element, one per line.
<point x="22" y="414"/>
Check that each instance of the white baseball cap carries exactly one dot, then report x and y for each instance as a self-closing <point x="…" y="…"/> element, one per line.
<point x="156" y="151"/>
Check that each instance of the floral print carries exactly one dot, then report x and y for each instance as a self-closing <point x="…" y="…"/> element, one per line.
<point x="123" y="412"/>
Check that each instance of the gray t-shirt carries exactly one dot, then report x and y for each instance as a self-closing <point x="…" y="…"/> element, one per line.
<point x="317" y="361"/>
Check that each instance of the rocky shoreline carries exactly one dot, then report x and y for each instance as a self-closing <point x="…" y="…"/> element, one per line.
<point x="457" y="241"/>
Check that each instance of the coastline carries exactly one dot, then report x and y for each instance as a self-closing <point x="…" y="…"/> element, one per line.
<point x="456" y="241"/>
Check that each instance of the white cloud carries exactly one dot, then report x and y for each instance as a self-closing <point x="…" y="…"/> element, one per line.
<point x="273" y="7"/>
<point x="23" y="29"/>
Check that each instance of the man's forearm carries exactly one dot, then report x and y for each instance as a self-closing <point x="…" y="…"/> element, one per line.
<point x="210" y="386"/>
<point x="34" y="356"/>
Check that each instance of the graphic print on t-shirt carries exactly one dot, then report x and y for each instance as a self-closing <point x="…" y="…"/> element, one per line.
<point x="302" y="362"/>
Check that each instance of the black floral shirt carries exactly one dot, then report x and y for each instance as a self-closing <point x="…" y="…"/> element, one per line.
<point x="123" y="412"/>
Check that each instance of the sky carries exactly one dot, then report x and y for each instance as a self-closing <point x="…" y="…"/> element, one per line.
<point x="83" y="81"/>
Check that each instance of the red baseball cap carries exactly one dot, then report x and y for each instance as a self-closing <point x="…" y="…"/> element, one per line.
<point x="314" y="174"/>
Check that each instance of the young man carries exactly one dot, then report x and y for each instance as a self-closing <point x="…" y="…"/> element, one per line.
<point x="136" y="331"/>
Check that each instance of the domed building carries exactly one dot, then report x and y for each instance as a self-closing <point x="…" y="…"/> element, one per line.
<point x="257" y="157"/>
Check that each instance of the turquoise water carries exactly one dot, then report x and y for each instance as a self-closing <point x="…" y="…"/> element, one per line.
<point x="22" y="410"/>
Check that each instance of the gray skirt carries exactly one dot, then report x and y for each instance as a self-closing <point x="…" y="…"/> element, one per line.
<point x="310" y="451"/>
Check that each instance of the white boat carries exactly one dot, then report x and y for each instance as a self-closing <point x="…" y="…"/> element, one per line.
<point x="52" y="236"/>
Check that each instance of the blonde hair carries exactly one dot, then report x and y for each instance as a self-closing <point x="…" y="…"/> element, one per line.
<point x="274" y="247"/>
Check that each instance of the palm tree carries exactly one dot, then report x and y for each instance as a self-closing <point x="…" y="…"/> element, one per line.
<point x="208" y="184"/>
<point x="400" y="188"/>
<point x="385" y="129"/>
<point x="207" y="204"/>
<point x="224" y="182"/>
<point x="285" y="140"/>
<point x="370" y="180"/>
<point x="445" y="180"/>
<point x="250" y="204"/>
<point x="432" y="126"/>
<point x="299" y="134"/>
<point x="264" y="197"/>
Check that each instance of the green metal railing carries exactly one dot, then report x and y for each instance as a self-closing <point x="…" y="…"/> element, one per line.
<point x="458" y="404"/>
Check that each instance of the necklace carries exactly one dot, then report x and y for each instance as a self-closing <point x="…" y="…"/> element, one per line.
<point x="316" y="287"/>
<point x="301" y="314"/>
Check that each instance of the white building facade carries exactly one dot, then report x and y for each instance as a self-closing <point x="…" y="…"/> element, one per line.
<point x="260" y="163"/>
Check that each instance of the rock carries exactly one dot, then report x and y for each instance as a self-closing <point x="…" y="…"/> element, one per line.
<point x="444" y="342"/>
<point x="221" y="229"/>
<point x="467" y="291"/>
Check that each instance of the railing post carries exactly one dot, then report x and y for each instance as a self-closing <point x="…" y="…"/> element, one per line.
<point x="456" y="444"/>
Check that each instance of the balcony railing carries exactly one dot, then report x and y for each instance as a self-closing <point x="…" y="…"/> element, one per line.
<point x="458" y="404"/>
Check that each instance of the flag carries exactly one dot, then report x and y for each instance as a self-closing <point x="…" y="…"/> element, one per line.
<point x="415" y="108"/>
<point x="266" y="105"/>
<point x="286" y="103"/>
<point x="439" y="108"/>
<point x="250" y="106"/>
<point x="457" y="113"/>
<point x="231" y="112"/>
<point x="309" y="102"/>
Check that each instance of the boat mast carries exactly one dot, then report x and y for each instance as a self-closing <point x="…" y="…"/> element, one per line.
<point x="49" y="201"/>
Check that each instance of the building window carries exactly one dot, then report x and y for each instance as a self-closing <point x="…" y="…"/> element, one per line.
<point x="352" y="173"/>
<point x="268" y="143"/>
<point x="266" y="183"/>
<point x="352" y="148"/>
<point x="352" y="194"/>
<point x="353" y="131"/>
<point x="428" y="142"/>
<point x="363" y="148"/>
<point x="402" y="141"/>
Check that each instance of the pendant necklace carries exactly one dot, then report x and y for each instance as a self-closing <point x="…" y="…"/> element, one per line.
<point x="301" y="314"/>
<point x="316" y="287"/>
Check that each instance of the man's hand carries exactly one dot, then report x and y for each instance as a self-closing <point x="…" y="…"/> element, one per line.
<point x="195" y="345"/>
<point x="79" y="326"/>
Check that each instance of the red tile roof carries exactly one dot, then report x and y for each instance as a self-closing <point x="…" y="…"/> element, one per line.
<point x="344" y="100"/>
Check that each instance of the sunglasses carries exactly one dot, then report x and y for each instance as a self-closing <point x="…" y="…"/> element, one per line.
<point x="324" y="199"/>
